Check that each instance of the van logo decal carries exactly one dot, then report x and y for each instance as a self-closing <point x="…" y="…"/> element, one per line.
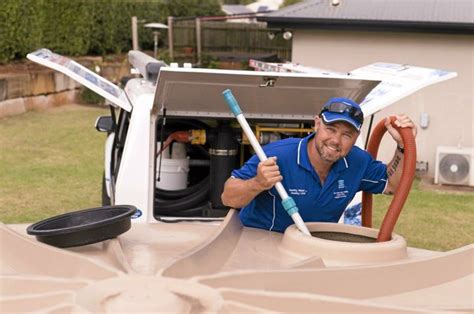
<point x="137" y="214"/>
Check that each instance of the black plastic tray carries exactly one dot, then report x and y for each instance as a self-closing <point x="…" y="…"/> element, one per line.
<point x="84" y="226"/>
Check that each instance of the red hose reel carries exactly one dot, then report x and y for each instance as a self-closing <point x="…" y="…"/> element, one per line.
<point x="403" y="189"/>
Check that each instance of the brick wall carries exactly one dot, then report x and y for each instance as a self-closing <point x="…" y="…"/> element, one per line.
<point x="25" y="86"/>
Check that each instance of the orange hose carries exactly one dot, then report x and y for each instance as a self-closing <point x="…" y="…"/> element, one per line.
<point x="178" y="136"/>
<point x="403" y="189"/>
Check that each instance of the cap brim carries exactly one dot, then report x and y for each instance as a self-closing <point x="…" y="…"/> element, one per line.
<point x="332" y="117"/>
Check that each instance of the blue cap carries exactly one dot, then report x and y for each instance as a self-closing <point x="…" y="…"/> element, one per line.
<point x="342" y="109"/>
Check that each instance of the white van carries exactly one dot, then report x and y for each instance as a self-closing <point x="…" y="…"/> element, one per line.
<point x="183" y="111"/>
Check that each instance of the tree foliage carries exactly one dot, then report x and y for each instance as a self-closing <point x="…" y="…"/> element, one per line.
<point x="192" y="7"/>
<point x="77" y="27"/>
<point x="244" y="2"/>
<point x="20" y="27"/>
<point x="289" y="2"/>
<point x="67" y="26"/>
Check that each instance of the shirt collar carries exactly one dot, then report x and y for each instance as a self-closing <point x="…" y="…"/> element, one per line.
<point x="303" y="159"/>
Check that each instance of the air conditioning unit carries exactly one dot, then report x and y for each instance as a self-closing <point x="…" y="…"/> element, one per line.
<point x="454" y="166"/>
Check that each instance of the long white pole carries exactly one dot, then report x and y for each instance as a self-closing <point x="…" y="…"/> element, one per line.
<point x="287" y="201"/>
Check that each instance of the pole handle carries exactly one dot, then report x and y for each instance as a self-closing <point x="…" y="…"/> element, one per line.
<point x="232" y="102"/>
<point x="287" y="201"/>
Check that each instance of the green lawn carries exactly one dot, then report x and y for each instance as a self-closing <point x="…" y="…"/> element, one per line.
<point x="52" y="161"/>
<point x="435" y="220"/>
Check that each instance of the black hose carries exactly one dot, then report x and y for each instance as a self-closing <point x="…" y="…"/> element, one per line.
<point x="175" y="194"/>
<point x="167" y="207"/>
<point x="204" y="152"/>
<point x="193" y="212"/>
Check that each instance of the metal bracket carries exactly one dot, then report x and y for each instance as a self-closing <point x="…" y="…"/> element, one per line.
<point x="268" y="81"/>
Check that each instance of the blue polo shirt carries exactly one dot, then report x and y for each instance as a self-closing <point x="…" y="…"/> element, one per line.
<point x="358" y="171"/>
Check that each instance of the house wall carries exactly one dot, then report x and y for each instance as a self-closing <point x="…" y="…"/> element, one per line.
<point x="449" y="104"/>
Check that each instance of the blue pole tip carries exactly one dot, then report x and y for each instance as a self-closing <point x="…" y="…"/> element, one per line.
<point x="289" y="205"/>
<point x="232" y="102"/>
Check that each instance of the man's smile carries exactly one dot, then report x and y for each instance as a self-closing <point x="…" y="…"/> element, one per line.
<point x="332" y="148"/>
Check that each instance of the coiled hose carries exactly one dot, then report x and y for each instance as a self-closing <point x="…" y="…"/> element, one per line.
<point x="192" y="200"/>
<point x="165" y="195"/>
<point x="403" y="189"/>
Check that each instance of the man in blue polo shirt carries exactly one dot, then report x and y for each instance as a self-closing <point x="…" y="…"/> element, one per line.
<point x="322" y="172"/>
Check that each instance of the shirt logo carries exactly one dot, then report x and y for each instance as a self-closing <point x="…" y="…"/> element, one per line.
<point x="340" y="184"/>
<point x="297" y="191"/>
<point x="340" y="194"/>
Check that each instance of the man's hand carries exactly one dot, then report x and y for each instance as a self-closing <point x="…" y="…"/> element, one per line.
<point x="402" y="121"/>
<point x="268" y="174"/>
<point x="394" y="167"/>
<point x="238" y="193"/>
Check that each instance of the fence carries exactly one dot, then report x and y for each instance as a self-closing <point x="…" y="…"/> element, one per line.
<point x="198" y="38"/>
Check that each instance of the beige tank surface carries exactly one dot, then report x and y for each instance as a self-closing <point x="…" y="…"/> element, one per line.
<point x="226" y="268"/>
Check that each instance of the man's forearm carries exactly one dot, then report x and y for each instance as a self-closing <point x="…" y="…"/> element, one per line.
<point x="394" y="172"/>
<point x="238" y="193"/>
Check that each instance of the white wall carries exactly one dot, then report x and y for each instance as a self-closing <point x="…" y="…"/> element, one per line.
<point x="449" y="104"/>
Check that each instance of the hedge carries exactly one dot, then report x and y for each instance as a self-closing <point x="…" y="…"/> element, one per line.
<point x="79" y="27"/>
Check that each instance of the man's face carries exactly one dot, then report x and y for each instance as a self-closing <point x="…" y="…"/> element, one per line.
<point x="333" y="141"/>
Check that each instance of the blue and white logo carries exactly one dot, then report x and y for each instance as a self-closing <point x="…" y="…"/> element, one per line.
<point x="340" y="184"/>
<point x="298" y="191"/>
<point x="341" y="192"/>
<point x="137" y="214"/>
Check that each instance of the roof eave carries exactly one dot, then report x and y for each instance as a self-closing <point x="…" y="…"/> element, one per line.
<point x="368" y="25"/>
